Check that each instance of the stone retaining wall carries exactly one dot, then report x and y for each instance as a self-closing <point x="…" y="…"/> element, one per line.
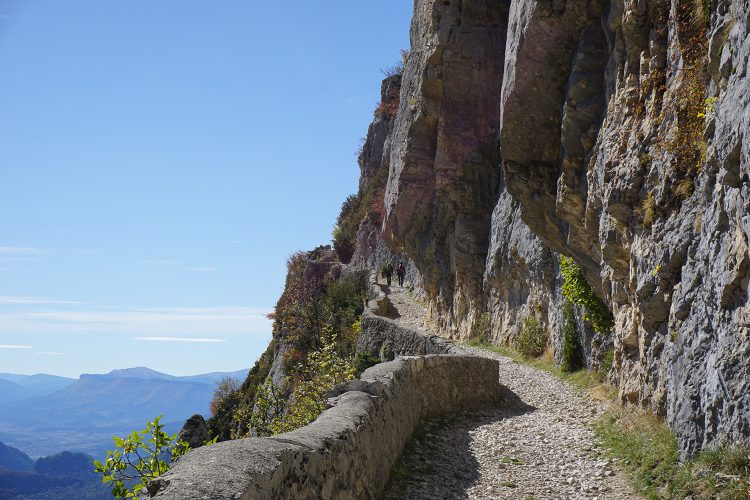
<point x="348" y="452"/>
<point x="385" y="338"/>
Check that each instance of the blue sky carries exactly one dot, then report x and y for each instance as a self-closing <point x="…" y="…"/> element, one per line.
<point x="159" y="160"/>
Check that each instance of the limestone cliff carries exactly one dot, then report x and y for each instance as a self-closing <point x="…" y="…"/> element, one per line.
<point x="614" y="132"/>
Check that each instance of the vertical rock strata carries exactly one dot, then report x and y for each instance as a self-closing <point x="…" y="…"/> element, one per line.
<point x="444" y="167"/>
<point x="657" y="218"/>
<point x="531" y="127"/>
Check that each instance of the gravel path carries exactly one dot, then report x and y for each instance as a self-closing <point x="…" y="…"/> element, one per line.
<point x="410" y="312"/>
<point x="538" y="445"/>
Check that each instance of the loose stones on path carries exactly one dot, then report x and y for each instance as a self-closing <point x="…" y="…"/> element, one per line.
<point x="537" y="445"/>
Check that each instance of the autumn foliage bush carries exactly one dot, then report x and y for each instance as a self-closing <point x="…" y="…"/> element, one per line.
<point x="316" y="320"/>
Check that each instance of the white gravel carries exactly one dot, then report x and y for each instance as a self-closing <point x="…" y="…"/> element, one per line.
<point x="539" y="444"/>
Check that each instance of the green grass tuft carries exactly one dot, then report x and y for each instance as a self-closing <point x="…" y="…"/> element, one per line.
<point x="647" y="449"/>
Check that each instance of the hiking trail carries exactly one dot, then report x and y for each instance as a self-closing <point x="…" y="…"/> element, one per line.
<point x="539" y="444"/>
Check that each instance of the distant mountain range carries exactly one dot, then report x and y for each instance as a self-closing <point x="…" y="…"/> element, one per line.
<point x="64" y="475"/>
<point x="55" y="414"/>
<point x="14" y="387"/>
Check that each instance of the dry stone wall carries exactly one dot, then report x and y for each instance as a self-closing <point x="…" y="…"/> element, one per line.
<point x="348" y="452"/>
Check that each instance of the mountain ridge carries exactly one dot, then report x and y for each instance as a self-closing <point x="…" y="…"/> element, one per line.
<point x="84" y="415"/>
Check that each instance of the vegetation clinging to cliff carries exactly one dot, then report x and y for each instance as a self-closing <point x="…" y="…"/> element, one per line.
<point x="571" y="345"/>
<point x="532" y="341"/>
<point x="648" y="450"/>
<point x="316" y="327"/>
<point x="577" y="290"/>
<point x="367" y="203"/>
<point x="273" y="414"/>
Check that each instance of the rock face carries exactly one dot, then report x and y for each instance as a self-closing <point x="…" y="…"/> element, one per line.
<point x="614" y="169"/>
<point x="446" y="200"/>
<point x="444" y="165"/>
<point x="371" y="251"/>
<point x="613" y="132"/>
<point x="194" y="432"/>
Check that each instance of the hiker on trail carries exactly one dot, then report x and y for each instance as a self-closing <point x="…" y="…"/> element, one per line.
<point x="388" y="272"/>
<point x="401" y="272"/>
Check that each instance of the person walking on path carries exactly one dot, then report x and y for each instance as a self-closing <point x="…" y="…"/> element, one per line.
<point x="388" y="272"/>
<point x="401" y="272"/>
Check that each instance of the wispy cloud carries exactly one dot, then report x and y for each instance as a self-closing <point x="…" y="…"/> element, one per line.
<point x="206" y="269"/>
<point x="158" y="322"/>
<point x="12" y="299"/>
<point x="19" y="251"/>
<point x="180" y="339"/>
<point x="52" y="353"/>
<point x="234" y="242"/>
<point x="13" y="346"/>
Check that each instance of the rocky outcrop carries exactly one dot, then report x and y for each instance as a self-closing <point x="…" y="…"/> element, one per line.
<point x="194" y="431"/>
<point x="348" y="451"/>
<point x="444" y="165"/>
<point x="613" y="132"/>
<point x="446" y="202"/>
<point x="653" y="210"/>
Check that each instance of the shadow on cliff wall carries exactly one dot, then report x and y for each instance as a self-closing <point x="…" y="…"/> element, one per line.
<point x="438" y="462"/>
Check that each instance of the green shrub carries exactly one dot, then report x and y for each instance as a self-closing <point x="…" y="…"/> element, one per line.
<point x="577" y="290"/>
<point x="532" y="341"/>
<point x="136" y="458"/>
<point x="314" y="311"/>
<point x="606" y="361"/>
<point x="572" y="359"/>
<point x="363" y="361"/>
<point x="274" y="412"/>
<point x="481" y="330"/>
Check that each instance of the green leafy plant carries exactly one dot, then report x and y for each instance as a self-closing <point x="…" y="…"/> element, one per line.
<point x="572" y="359"/>
<point x="324" y="369"/>
<point x="606" y="361"/>
<point x="710" y="102"/>
<point x="481" y="329"/>
<point x="532" y="340"/>
<point x="655" y="271"/>
<point x="274" y="412"/>
<point x="139" y="458"/>
<point x="577" y="290"/>
<point x="363" y="361"/>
